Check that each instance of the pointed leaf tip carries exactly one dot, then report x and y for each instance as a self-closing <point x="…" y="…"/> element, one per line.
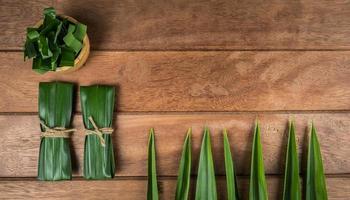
<point x="152" y="185"/>
<point x="316" y="188"/>
<point x="184" y="174"/>
<point x="257" y="186"/>
<point x="206" y="183"/>
<point x="291" y="190"/>
<point x="231" y="180"/>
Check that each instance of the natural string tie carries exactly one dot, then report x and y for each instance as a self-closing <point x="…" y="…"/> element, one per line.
<point x="56" y="132"/>
<point x="98" y="131"/>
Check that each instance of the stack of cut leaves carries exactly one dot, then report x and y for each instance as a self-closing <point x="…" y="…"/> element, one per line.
<point x="97" y="103"/>
<point x="55" y="43"/>
<point x="55" y="110"/>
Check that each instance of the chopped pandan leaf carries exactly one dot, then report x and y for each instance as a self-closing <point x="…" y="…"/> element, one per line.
<point x="315" y="179"/>
<point x="67" y="57"/>
<point x="32" y="34"/>
<point x="291" y="189"/>
<point x="98" y="102"/>
<point x="71" y="28"/>
<point x="50" y="12"/>
<point x="184" y="175"/>
<point x="43" y="46"/>
<point x="29" y="46"/>
<point x="55" y="110"/>
<point x="231" y="180"/>
<point x="56" y="51"/>
<point x="30" y="50"/>
<point x="41" y="66"/>
<point x="59" y="28"/>
<point x="49" y="16"/>
<point x="80" y="31"/>
<point x="152" y="185"/>
<point x="257" y="186"/>
<point x="206" y="184"/>
<point x="45" y="43"/>
<point x="72" y="42"/>
<point x="51" y="25"/>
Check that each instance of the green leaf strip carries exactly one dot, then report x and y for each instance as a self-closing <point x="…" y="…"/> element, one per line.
<point x="291" y="190"/>
<point x="231" y="180"/>
<point x="152" y="186"/>
<point x="206" y="184"/>
<point x="315" y="179"/>
<point x="184" y="175"/>
<point x="257" y="186"/>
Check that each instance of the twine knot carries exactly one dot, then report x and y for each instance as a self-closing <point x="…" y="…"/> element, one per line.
<point x="56" y="132"/>
<point x="98" y="131"/>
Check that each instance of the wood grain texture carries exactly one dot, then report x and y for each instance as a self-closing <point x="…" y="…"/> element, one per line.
<point x="198" y="24"/>
<point x="19" y="137"/>
<point x="196" y="81"/>
<point x="134" y="189"/>
<point x="15" y="17"/>
<point x="222" y="24"/>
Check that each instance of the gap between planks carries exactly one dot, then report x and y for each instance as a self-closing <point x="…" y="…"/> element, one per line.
<point x="265" y="112"/>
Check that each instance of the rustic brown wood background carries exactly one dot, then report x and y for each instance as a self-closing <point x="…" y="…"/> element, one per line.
<point x="180" y="64"/>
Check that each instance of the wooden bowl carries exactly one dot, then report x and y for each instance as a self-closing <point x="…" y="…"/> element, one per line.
<point x="83" y="54"/>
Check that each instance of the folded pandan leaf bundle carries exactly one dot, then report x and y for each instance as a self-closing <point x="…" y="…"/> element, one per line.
<point x="55" y="111"/>
<point x="55" y="43"/>
<point x="97" y="103"/>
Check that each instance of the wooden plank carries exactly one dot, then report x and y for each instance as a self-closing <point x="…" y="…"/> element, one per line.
<point x="196" y="81"/>
<point x="15" y="17"/>
<point x="19" y="139"/>
<point x="134" y="189"/>
<point x="222" y="24"/>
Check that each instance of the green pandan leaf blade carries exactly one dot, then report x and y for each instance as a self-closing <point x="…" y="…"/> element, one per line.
<point x="152" y="186"/>
<point x="231" y="180"/>
<point x="184" y="175"/>
<point x="67" y="57"/>
<point x="71" y="28"/>
<point x="80" y="31"/>
<point x="72" y="42"/>
<point x="50" y="12"/>
<point x="257" y="186"/>
<point x="29" y="50"/>
<point x="44" y="49"/>
<point x="41" y="66"/>
<point x="206" y="184"/>
<point x="291" y="190"/>
<point x="32" y="34"/>
<point x="315" y="179"/>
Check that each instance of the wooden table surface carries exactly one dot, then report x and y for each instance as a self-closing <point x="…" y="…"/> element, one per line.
<point x="180" y="64"/>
